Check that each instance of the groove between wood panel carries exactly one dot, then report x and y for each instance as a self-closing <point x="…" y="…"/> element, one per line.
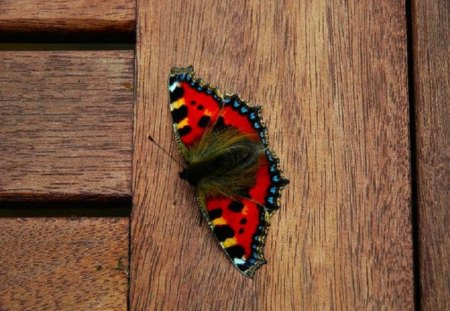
<point x="66" y="124"/>
<point x="77" y="207"/>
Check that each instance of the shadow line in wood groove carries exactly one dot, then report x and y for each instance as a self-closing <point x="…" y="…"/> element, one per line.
<point x="76" y="46"/>
<point x="413" y="154"/>
<point x="64" y="207"/>
<point x="68" y="37"/>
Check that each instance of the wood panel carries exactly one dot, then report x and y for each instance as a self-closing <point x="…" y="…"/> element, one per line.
<point x="64" y="264"/>
<point x="431" y="51"/>
<point x="67" y="16"/>
<point x="66" y="124"/>
<point x="331" y="77"/>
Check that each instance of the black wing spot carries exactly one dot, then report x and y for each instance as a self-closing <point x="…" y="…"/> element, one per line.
<point x="200" y="107"/>
<point x="223" y="232"/>
<point x="220" y="124"/>
<point x="179" y="114"/>
<point x="243" y="221"/>
<point x="241" y="231"/>
<point x="193" y="102"/>
<point x="236" y="206"/>
<point x="204" y="121"/>
<point x="176" y="94"/>
<point x="215" y="213"/>
<point x="184" y="130"/>
<point x="235" y="251"/>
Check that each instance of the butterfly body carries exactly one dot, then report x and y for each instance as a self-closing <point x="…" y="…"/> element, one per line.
<point x="236" y="176"/>
<point x="224" y="163"/>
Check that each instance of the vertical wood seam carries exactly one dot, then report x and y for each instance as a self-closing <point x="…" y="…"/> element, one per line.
<point x="409" y="14"/>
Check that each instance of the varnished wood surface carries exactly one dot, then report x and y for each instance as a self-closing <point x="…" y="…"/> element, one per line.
<point x="431" y="51"/>
<point x="65" y="124"/>
<point x="332" y="79"/>
<point x="64" y="264"/>
<point x="67" y="16"/>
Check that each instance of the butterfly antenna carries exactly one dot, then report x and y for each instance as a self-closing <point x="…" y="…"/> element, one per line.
<point x="164" y="150"/>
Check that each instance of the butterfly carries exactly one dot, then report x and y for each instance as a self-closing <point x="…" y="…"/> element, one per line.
<point x="236" y="176"/>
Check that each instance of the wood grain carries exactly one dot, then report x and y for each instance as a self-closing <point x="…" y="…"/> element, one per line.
<point x="66" y="124"/>
<point x="331" y="77"/>
<point x="431" y="51"/>
<point x="64" y="264"/>
<point x="67" y="16"/>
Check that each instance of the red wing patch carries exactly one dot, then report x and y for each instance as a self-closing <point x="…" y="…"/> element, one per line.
<point x="241" y="223"/>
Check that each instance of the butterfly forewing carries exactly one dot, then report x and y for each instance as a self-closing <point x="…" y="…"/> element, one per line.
<point x="193" y="106"/>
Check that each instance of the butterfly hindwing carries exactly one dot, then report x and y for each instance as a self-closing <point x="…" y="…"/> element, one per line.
<point x="240" y="223"/>
<point x="241" y="226"/>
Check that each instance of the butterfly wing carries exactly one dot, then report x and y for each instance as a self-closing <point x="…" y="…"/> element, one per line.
<point x="241" y="227"/>
<point x="269" y="180"/>
<point x="241" y="223"/>
<point x="193" y="105"/>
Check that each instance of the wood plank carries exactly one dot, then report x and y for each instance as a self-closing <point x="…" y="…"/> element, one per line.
<point x="431" y="51"/>
<point x="67" y="16"/>
<point x="66" y="124"/>
<point x="332" y="79"/>
<point x="64" y="263"/>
